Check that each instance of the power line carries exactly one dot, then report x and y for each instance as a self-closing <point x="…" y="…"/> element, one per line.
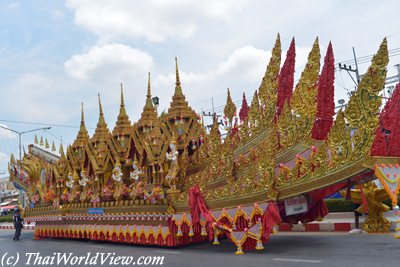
<point x="221" y="108"/>
<point x="44" y="124"/>
<point x="364" y="59"/>
<point x="58" y="138"/>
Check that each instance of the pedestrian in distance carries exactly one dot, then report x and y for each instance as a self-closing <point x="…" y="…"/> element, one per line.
<point x="17" y="219"/>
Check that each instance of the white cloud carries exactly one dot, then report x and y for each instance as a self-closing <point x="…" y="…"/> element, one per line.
<point x="36" y="97"/>
<point x="185" y="77"/>
<point x="153" y="20"/>
<point x="245" y="63"/>
<point x="108" y="62"/>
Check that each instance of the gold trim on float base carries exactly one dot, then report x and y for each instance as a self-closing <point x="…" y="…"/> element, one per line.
<point x="322" y="181"/>
<point x="289" y="191"/>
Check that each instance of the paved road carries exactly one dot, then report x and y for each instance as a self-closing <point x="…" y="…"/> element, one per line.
<point x="284" y="249"/>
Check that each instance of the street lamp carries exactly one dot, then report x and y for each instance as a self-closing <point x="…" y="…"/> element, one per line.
<point x="21" y="200"/>
<point x="20" y="135"/>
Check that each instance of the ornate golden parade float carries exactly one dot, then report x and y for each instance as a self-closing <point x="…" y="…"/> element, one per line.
<point x="165" y="180"/>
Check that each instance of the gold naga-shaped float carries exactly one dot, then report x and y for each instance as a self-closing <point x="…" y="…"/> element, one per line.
<point x="165" y="180"/>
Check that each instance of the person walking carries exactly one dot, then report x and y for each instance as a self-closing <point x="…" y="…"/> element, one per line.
<point x="17" y="219"/>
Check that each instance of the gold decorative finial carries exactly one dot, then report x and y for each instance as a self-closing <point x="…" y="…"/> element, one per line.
<point x="47" y="144"/>
<point x="149" y="102"/>
<point x="61" y="150"/>
<point x="101" y="133"/>
<point x="82" y="115"/>
<point x="148" y="86"/>
<point x="53" y="147"/>
<point x="362" y="113"/>
<point x="36" y="140"/>
<point x="122" y="96"/>
<point x="100" y="107"/>
<point x="123" y="123"/>
<point x="230" y="108"/>
<point x="83" y="135"/>
<point x="41" y="141"/>
<point x="177" y="82"/>
<point x="149" y="114"/>
<point x="303" y="100"/>
<point x="269" y="85"/>
<point x="179" y="107"/>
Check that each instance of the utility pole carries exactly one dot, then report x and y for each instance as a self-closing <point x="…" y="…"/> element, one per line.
<point x="355" y="62"/>
<point x="350" y="69"/>
<point x="213" y="115"/>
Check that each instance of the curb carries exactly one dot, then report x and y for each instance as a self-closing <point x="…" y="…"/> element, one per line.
<point x="316" y="227"/>
<point x="322" y="227"/>
<point x="11" y="227"/>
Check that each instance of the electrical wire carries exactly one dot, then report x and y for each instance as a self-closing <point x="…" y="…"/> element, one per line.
<point x="43" y="124"/>
<point x="365" y="59"/>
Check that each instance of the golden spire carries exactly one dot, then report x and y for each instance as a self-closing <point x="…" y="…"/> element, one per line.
<point x="82" y="115"/>
<point x="83" y="136"/>
<point x="100" y="107"/>
<point x="179" y="106"/>
<point x="178" y="89"/>
<point x="362" y="110"/>
<point x="53" y="147"/>
<point x="61" y="151"/>
<point x="230" y="108"/>
<point x="123" y="124"/>
<point x="41" y="141"/>
<point x="122" y="97"/>
<point x="47" y="144"/>
<point x="149" y="102"/>
<point x="254" y="111"/>
<point x="303" y="100"/>
<point x="101" y="133"/>
<point x="82" y="127"/>
<point x="356" y="113"/>
<point x="149" y="114"/>
<point x="36" y="140"/>
<point x="269" y="84"/>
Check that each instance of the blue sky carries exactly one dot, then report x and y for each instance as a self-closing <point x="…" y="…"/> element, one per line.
<point x="56" y="54"/>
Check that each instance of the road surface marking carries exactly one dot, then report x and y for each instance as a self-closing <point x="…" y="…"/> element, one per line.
<point x="166" y="251"/>
<point x="297" y="260"/>
<point x="54" y="242"/>
<point x="95" y="246"/>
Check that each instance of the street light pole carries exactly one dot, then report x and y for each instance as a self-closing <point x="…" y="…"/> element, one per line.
<point x="20" y="136"/>
<point x="21" y="196"/>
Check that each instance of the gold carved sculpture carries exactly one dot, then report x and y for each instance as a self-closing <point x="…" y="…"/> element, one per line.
<point x="374" y="196"/>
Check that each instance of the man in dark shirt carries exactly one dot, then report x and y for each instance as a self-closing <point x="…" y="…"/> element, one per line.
<point x="17" y="224"/>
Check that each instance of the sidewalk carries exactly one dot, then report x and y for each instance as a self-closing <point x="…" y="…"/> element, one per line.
<point x="334" y="222"/>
